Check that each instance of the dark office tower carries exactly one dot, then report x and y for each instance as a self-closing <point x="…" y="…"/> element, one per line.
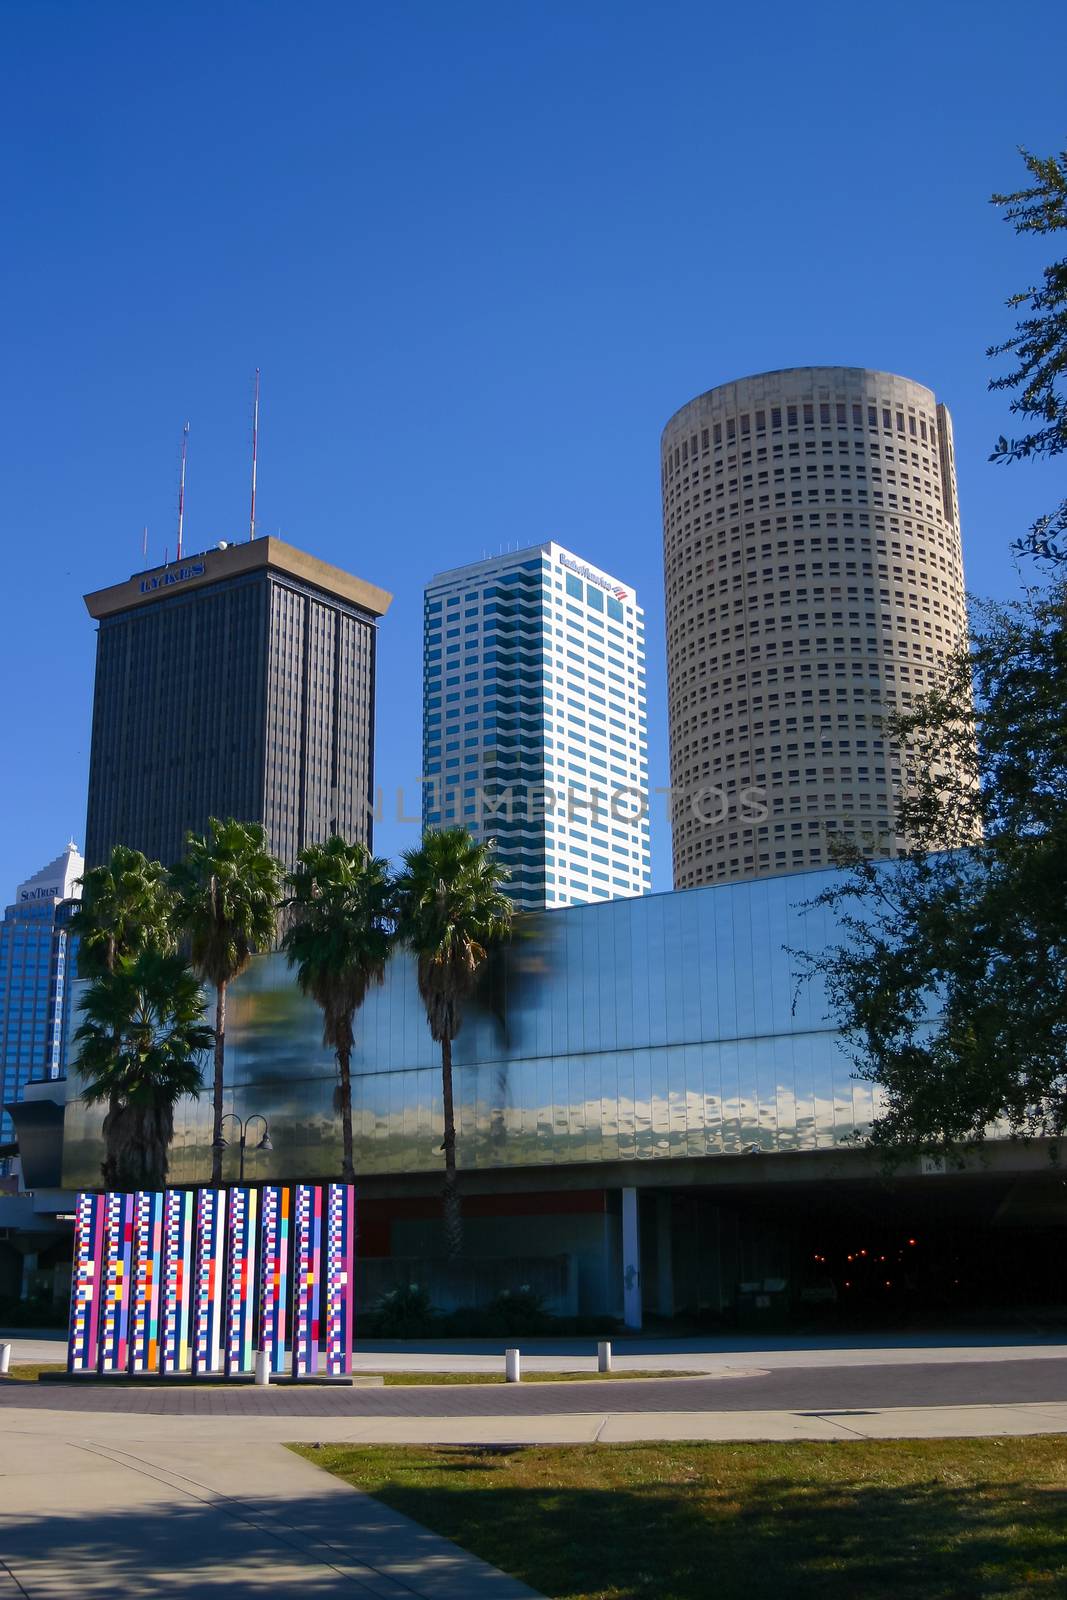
<point x="238" y="682"/>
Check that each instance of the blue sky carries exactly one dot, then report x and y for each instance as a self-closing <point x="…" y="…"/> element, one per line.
<point x="481" y="252"/>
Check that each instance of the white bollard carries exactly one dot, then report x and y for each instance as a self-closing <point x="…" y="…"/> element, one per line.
<point x="603" y="1356"/>
<point x="5" y="1357"/>
<point x="262" y="1366"/>
<point x="513" y="1366"/>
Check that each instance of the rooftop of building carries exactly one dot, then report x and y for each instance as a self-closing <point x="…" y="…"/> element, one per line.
<point x="234" y="560"/>
<point x="59" y="880"/>
<point x="839" y="375"/>
<point x="505" y="560"/>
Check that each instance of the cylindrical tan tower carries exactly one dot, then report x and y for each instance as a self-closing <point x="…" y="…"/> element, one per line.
<point x="814" y="581"/>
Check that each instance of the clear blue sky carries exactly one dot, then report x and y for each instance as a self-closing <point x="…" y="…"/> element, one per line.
<point x="481" y="253"/>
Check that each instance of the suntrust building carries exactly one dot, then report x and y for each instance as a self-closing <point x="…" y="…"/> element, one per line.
<point x="651" y="1121"/>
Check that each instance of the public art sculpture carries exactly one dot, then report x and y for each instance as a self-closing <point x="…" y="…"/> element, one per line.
<point x="195" y="1281"/>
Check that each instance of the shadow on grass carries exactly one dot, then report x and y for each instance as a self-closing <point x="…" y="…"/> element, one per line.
<point x="756" y="1538"/>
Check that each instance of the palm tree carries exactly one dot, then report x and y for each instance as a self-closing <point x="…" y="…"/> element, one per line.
<point x="338" y="941"/>
<point x="142" y="1033"/>
<point x="450" y="911"/>
<point x="227" y="888"/>
<point x="125" y="906"/>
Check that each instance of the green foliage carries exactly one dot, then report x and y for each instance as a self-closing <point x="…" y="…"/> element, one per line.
<point x="408" y="1313"/>
<point x="1038" y="348"/>
<point x="338" y="939"/>
<point x="405" y="1313"/>
<point x="950" y="985"/>
<point x="39" y="1310"/>
<point x="228" y="888"/>
<point x="126" y="906"/>
<point x="139" y="1043"/>
<point x="451" y="910"/>
<point x="516" y="1311"/>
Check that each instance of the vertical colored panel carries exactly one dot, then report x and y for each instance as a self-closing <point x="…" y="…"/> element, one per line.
<point x="177" y="1278"/>
<point x="147" y="1281"/>
<point x="208" y="1288"/>
<point x="240" y="1278"/>
<point x="340" y="1277"/>
<point x="83" y="1344"/>
<point x="274" y="1267"/>
<point x="117" y="1281"/>
<point x="308" y="1293"/>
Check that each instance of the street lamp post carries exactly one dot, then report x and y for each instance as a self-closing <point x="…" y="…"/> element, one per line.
<point x="242" y="1137"/>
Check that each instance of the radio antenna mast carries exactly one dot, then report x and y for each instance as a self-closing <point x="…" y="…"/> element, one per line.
<point x="255" y="442"/>
<point x="144" y="547"/>
<point x="181" y="488"/>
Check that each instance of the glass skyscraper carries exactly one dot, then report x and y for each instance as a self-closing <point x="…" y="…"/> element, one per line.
<point x="36" y="969"/>
<point x="534" y="722"/>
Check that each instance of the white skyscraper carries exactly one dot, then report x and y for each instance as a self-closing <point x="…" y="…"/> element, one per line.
<point x="534" y="722"/>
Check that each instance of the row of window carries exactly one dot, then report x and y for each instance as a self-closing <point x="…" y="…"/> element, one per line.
<point x="840" y="414"/>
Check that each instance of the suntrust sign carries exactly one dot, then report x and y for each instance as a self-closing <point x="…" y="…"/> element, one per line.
<point x="580" y="570"/>
<point x="54" y="893"/>
<point x="163" y="580"/>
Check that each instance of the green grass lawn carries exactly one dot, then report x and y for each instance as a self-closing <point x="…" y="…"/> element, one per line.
<point x="960" y="1519"/>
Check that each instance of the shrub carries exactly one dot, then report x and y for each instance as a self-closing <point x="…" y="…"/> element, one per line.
<point x="404" y="1313"/>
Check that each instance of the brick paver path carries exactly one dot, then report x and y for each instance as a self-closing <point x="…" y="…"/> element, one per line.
<point x="800" y="1389"/>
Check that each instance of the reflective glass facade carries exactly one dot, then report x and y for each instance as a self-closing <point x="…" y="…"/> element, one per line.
<point x="37" y="961"/>
<point x="654" y="1029"/>
<point x="534" y="723"/>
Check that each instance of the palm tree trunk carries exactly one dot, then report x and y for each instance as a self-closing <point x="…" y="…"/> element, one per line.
<point x="220" y="1058"/>
<point x="109" y="1165"/>
<point x="453" y="1218"/>
<point x="344" y="1067"/>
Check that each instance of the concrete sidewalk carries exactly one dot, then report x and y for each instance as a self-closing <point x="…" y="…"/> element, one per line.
<point x="101" y="1504"/>
<point x="187" y="1514"/>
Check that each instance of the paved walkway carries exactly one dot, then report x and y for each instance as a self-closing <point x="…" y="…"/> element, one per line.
<point x="640" y="1353"/>
<point x="801" y="1389"/>
<point x="139" y="1512"/>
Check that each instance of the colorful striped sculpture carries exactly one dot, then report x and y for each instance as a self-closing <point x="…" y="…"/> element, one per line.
<point x="184" y="1281"/>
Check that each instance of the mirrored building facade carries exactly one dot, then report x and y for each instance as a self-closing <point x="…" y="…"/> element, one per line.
<point x="652" y="1119"/>
<point x="635" y="1030"/>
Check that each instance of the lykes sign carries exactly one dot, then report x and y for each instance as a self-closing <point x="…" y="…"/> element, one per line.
<point x="163" y="580"/>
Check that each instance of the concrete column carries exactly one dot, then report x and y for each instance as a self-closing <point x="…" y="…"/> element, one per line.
<point x="29" y="1267"/>
<point x="631" y="1260"/>
<point x="664" y="1256"/>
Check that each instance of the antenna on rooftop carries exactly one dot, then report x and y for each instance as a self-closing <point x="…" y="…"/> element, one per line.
<point x="144" y="547"/>
<point x="181" y="488"/>
<point x="255" y="441"/>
